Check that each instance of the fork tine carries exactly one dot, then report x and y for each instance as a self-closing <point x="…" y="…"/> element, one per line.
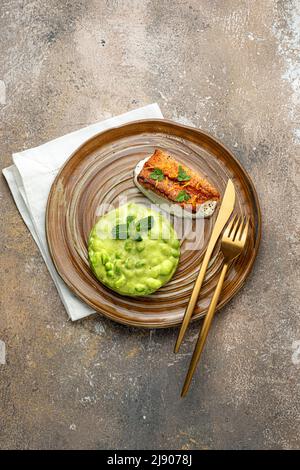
<point x="245" y="232"/>
<point x="240" y="229"/>
<point x="229" y="227"/>
<point x="235" y="228"/>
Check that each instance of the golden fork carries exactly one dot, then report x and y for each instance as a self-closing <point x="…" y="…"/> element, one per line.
<point x="232" y="244"/>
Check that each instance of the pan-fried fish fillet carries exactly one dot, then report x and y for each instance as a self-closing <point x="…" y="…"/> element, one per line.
<point x="174" y="181"/>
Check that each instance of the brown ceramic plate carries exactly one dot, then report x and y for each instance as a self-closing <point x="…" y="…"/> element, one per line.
<point x="100" y="172"/>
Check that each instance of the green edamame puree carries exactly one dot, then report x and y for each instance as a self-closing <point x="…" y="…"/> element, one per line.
<point x="133" y="250"/>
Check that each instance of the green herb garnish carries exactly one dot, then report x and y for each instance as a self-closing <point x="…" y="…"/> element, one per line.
<point x="145" y="224"/>
<point x="182" y="175"/>
<point x="136" y="236"/>
<point x="129" y="219"/>
<point x="157" y="174"/>
<point x="133" y="230"/>
<point x="183" y="196"/>
<point x="120" y="232"/>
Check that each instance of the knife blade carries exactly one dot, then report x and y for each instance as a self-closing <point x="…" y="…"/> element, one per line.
<point x="223" y="216"/>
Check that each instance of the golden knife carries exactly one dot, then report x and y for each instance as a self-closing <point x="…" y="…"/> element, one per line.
<point x="223" y="216"/>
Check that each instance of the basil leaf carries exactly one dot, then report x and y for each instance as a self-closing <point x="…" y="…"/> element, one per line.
<point x="120" y="232"/>
<point x="157" y="174"/>
<point x="183" y="196"/>
<point x="133" y="234"/>
<point x="182" y="175"/>
<point x="145" y="224"/>
<point x="131" y="230"/>
<point x="137" y="237"/>
<point x="129" y="219"/>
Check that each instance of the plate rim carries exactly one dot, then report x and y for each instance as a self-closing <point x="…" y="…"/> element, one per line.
<point x="258" y="228"/>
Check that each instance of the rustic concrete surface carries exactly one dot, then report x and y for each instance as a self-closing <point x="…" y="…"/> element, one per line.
<point x="231" y="68"/>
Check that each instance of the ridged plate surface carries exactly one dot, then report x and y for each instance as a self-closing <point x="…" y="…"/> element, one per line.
<point x="99" y="174"/>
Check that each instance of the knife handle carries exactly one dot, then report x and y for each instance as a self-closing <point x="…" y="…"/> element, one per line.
<point x="193" y="299"/>
<point x="204" y="332"/>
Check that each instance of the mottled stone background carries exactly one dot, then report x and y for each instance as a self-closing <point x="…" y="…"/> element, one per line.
<point x="232" y="68"/>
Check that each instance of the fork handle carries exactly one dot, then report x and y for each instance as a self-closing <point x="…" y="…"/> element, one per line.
<point x="193" y="299"/>
<point x="204" y="332"/>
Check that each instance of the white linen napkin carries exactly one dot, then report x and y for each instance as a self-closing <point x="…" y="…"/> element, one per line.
<point x="30" y="180"/>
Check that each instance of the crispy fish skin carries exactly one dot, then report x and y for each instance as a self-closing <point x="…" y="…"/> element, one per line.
<point x="197" y="187"/>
